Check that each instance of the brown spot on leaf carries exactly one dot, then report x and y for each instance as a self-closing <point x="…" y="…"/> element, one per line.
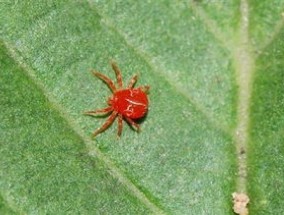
<point x="240" y="201"/>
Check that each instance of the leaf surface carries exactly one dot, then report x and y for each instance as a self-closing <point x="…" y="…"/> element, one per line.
<point x="214" y="126"/>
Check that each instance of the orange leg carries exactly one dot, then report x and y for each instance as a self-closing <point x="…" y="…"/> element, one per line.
<point x="145" y="88"/>
<point x="98" y="112"/>
<point x="108" y="122"/>
<point x="119" y="130"/>
<point x="107" y="80"/>
<point x="133" y="124"/>
<point x="132" y="81"/>
<point x="118" y="74"/>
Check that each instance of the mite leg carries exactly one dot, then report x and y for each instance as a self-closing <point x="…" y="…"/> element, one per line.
<point x="107" y="80"/>
<point x="145" y="88"/>
<point x="119" y="130"/>
<point x="99" y="112"/>
<point x="133" y="124"/>
<point x="132" y="81"/>
<point x="117" y="73"/>
<point x="107" y="123"/>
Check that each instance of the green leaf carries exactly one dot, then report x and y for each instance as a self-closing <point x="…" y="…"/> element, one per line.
<point x="214" y="126"/>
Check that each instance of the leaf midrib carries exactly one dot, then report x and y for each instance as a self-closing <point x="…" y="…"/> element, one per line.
<point x="244" y="63"/>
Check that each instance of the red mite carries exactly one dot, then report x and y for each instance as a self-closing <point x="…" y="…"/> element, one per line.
<point x="125" y="103"/>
